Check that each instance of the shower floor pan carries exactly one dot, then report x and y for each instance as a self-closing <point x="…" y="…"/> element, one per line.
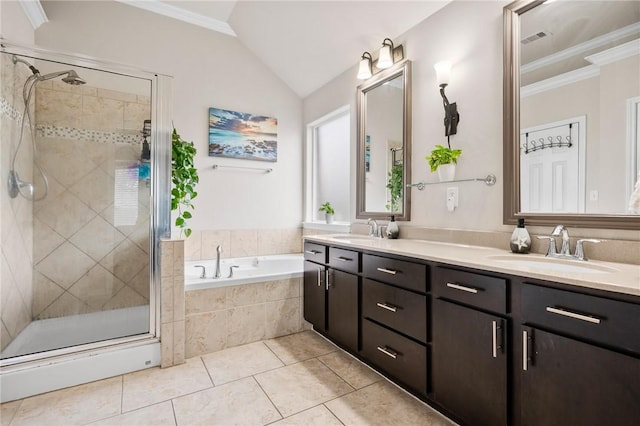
<point x="73" y="330"/>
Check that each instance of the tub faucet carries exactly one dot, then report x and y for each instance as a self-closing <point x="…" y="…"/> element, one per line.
<point x="204" y="270"/>
<point x="231" y="270"/>
<point x="218" y="274"/>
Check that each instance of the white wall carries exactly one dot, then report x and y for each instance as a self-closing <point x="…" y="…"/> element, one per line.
<point x="14" y="25"/>
<point x="469" y="34"/>
<point x="209" y="69"/>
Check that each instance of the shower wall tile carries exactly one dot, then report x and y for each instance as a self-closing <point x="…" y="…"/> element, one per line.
<point x="140" y="283"/>
<point x="65" y="305"/>
<point x="97" y="238"/>
<point x="48" y="240"/>
<point x="58" y="108"/>
<point x="5" y="339"/>
<point x="134" y="115"/>
<point x="66" y="214"/>
<point x="97" y="287"/>
<point x="45" y="293"/>
<point x="102" y="114"/>
<point x="85" y="190"/>
<point x="125" y="298"/>
<point x="65" y="265"/>
<point x="125" y="261"/>
<point x="118" y="96"/>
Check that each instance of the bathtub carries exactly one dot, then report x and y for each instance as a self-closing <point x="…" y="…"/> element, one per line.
<point x="254" y="269"/>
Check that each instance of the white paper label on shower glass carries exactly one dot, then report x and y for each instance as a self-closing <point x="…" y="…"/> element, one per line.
<point x="125" y="202"/>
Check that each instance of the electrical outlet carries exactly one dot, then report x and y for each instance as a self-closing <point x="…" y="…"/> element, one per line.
<point x="452" y="198"/>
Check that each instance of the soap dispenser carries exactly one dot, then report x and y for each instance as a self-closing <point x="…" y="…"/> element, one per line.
<point x="392" y="229"/>
<point x="520" y="239"/>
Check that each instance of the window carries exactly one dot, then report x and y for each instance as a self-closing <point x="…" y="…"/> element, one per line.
<point x="328" y="166"/>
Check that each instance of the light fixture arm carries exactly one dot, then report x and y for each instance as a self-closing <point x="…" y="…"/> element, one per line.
<point x="451" y="116"/>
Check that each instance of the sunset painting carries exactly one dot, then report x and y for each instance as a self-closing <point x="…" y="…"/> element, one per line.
<point x="240" y="135"/>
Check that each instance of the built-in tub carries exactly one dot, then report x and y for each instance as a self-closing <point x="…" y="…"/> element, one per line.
<point x="263" y="300"/>
<point x="250" y="270"/>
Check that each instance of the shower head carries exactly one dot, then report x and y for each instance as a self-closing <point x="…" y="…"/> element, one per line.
<point x="73" y="79"/>
<point x="70" y="78"/>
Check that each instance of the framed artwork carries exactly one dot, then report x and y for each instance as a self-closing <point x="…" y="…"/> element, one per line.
<point x="235" y="134"/>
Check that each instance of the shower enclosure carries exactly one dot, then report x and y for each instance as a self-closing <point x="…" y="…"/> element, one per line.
<point x="82" y="210"/>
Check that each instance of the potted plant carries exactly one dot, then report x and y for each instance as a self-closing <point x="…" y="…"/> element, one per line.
<point x="394" y="185"/>
<point x="184" y="177"/>
<point x="444" y="160"/>
<point x="328" y="211"/>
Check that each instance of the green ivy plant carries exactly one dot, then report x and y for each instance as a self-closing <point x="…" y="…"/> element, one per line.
<point x="442" y="155"/>
<point x="184" y="177"/>
<point x="326" y="207"/>
<point x="394" y="185"/>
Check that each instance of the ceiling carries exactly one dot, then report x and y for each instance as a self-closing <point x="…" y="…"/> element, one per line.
<point x="306" y="43"/>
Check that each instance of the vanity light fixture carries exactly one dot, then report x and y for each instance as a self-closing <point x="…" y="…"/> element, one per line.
<point x="364" y="70"/>
<point x="385" y="57"/>
<point x="451" y="116"/>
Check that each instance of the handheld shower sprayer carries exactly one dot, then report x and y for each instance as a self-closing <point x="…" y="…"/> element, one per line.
<point x="15" y="185"/>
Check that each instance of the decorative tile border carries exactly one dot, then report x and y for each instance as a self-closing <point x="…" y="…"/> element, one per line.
<point x="98" y="136"/>
<point x="8" y="110"/>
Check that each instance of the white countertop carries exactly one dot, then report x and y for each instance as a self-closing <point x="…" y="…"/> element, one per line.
<point x="608" y="276"/>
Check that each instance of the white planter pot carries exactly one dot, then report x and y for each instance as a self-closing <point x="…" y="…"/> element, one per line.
<point x="328" y="217"/>
<point x="447" y="172"/>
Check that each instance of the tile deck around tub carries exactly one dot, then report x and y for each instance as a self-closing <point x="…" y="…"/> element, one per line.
<point x="300" y="379"/>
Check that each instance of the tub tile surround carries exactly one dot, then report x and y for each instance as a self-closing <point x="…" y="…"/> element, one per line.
<point x="172" y="303"/>
<point x="202" y="244"/>
<point x="300" y="379"/>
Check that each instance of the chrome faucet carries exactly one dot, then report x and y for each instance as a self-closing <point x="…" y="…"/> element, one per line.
<point x="204" y="270"/>
<point x="218" y="274"/>
<point x="565" y="251"/>
<point x="562" y="230"/>
<point x="373" y="227"/>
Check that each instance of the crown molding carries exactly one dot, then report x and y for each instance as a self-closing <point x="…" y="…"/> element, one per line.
<point x="625" y="50"/>
<point x="34" y="12"/>
<point x="560" y="80"/>
<point x="596" y="42"/>
<point x="181" y="15"/>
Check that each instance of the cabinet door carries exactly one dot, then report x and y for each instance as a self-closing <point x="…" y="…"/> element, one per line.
<point x="315" y="295"/>
<point x="568" y="382"/>
<point x="469" y="363"/>
<point x="342" y="312"/>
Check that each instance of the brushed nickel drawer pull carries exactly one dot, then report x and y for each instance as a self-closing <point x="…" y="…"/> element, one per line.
<point x="387" y="271"/>
<point x="463" y="288"/>
<point x="343" y="259"/>
<point x="388" y="352"/>
<point x="494" y="335"/>
<point x="312" y="251"/>
<point x="525" y="350"/>
<point x="387" y="307"/>
<point x="574" y="315"/>
<point x="319" y="276"/>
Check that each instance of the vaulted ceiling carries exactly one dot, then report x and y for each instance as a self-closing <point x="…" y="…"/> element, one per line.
<point x="306" y="43"/>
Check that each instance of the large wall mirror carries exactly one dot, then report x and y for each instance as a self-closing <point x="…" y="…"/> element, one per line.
<point x="384" y="144"/>
<point x="572" y="112"/>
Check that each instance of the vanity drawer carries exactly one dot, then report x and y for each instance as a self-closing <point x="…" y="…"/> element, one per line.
<point x="315" y="252"/>
<point x="402" y="310"/>
<point x="398" y="356"/>
<point x="346" y="260"/>
<point x="609" y="322"/>
<point x="472" y="289"/>
<point x="397" y="272"/>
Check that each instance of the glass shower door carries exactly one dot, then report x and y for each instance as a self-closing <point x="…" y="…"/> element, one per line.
<point x="76" y="236"/>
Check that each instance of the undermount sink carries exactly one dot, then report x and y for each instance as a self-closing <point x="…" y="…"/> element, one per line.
<point x="551" y="264"/>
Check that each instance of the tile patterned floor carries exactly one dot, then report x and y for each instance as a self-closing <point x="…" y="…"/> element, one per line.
<point x="300" y="379"/>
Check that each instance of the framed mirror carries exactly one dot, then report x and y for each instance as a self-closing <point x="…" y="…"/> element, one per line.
<point x="384" y="144"/>
<point x="572" y="113"/>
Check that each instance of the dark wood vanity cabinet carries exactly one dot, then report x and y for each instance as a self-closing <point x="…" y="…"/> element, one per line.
<point x="580" y="359"/>
<point x="484" y="348"/>
<point x="469" y="346"/>
<point x="331" y="295"/>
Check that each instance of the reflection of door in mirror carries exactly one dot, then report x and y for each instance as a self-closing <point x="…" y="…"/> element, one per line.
<point x="384" y="121"/>
<point x="582" y="58"/>
<point x="552" y="167"/>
